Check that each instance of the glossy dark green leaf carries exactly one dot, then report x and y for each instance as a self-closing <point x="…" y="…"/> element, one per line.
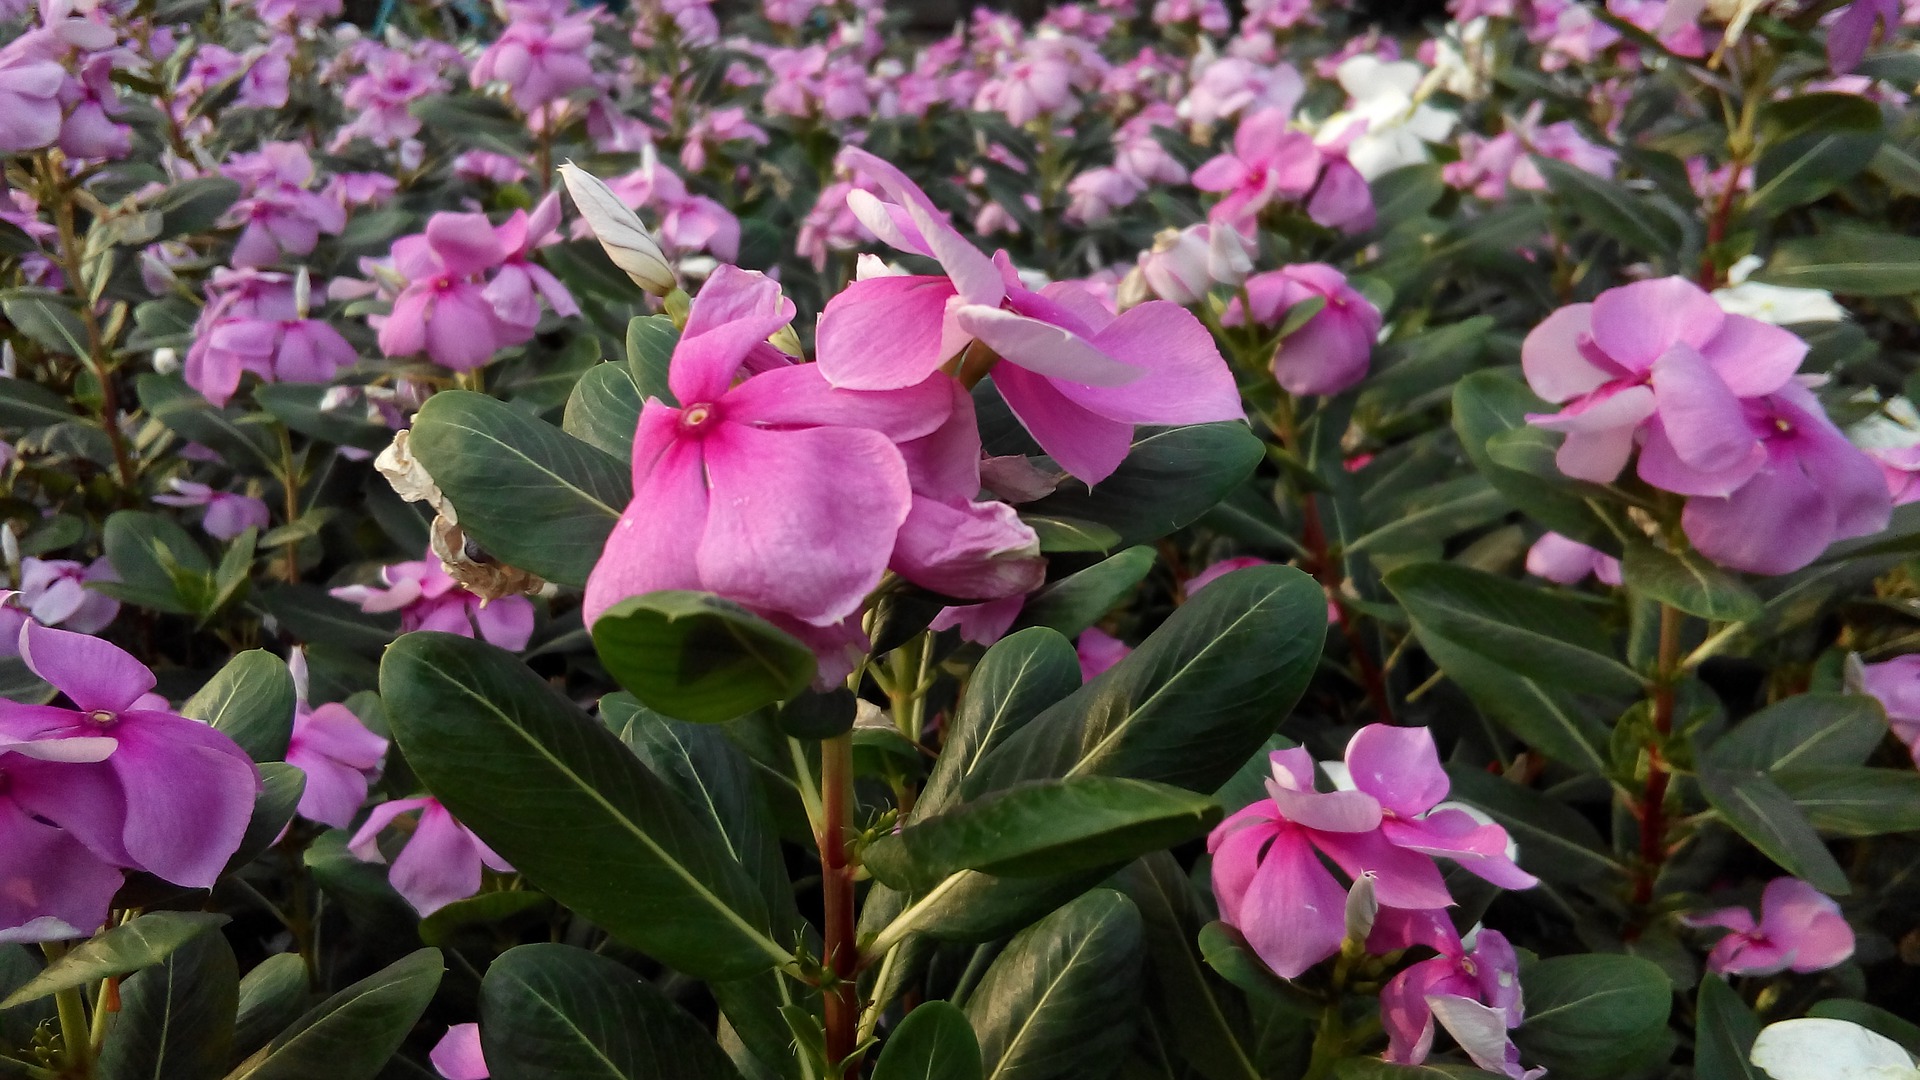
<point x="158" y="563"/>
<point x="532" y="495"/>
<point x="1759" y="809"/>
<point x="272" y="996"/>
<point x="554" y="1012"/>
<point x="1171" y="476"/>
<point x="1528" y="630"/>
<point x="1059" y="1002"/>
<point x="1849" y="800"/>
<point x="1188" y="706"/>
<point x="496" y="911"/>
<point x="1804" y="730"/>
<point x="650" y="343"/>
<point x="181" y="409"/>
<point x="281" y="786"/>
<point x="1020" y="676"/>
<point x="1487" y="404"/>
<point x="933" y="1042"/>
<point x="604" y="410"/>
<point x="192" y="206"/>
<point x="1564" y="725"/>
<point x="1060" y="534"/>
<point x="1585" y="1012"/>
<point x="1635" y="219"/>
<point x="46" y="317"/>
<point x="1204" y="1017"/>
<point x="1813" y="144"/>
<point x="1045" y="827"/>
<point x="126" y="948"/>
<point x="1434" y="516"/>
<point x="1724" y="1030"/>
<point x="694" y="656"/>
<point x="27" y="406"/>
<point x="1851" y="262"/>
<point x="558" y="796"/>
<point x="353" y="1034"/>
<point x="1078" y="600"/>
<point x="251" y="700"/>
<point x="176" y="1020"/>
<point x="1688" y="582"/>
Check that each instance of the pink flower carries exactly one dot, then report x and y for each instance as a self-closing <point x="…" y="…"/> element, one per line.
<point x="782" y="462"/>
<point x="1328" y="353"/>
<point x="982" y="624"/>
<point x="54" y="592"/>
<point x="29" y="101"/>
<point x="444" y="310"/>
<point x="1658" y="358"/>
<point x="428" y="599"/>
<point x="1269" y="163"/>
<point x="253" y="322"/>
<point x="1095" y="194"/>
<point x="1901" y="468"/>
<point x="169" y="796"/>
<point x="1039" y="82"/>
<point x="227" y="514"/>
<point x="1853" y="30"/>
<point x="489" y="166"/>
<point x="1184" y="265"/>
<point x="339" y="756"/>
<point x="1078" y="377"/>
<point x="1799" y="929"/>
<point x="1219" y="570"/>
<point x="278" y="215"/>
<point x="457" y="1055"/>
<point x="520" y="284"/>
<point x="1098" y="651"/>
<point x="1269" y="879"/>
<point x="1896" y="685"/>
<point x="1568" y="562"/>
<point x="1475" y="996"/>
<point x="540" y="60"/>
<point x="51" y="886"/>
<point x="442" y="859"/>
<point x="1810" y="488"/>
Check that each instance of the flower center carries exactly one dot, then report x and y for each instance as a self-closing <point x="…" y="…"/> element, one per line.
<point x="695" y="416"/>
<point x="103" y="717"/>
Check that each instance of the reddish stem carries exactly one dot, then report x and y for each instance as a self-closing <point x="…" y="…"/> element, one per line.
<point x="842" y="952"/>
<point x="1653" y="798"/>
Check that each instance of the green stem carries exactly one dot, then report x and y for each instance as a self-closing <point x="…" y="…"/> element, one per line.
<point x="76" y="1035"/>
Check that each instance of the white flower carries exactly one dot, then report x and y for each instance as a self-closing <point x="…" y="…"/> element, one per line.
<point x="1463" y="61"/>
<point x="1774" y="304"/>
<point x="1814" y="1048"/>
<point x="1398" y="125"/>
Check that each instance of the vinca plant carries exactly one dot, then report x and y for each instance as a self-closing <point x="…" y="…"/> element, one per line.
<point x="1283" y="540"/>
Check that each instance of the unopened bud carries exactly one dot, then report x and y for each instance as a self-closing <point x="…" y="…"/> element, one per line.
<point x="1362" y="907"/>
<point x="10" y="547"/>
<point x="166" y="361"/>
<point x="787" y="340"/>
<point x="302" y="292"/>
<point x="1176" y="268"/>
<point x="297" y="667"/>
<point x="619" y="231"/>
<point x="1229" y="255"/>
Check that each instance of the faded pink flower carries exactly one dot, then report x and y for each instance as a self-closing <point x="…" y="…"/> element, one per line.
<point x="1799" y="929"/>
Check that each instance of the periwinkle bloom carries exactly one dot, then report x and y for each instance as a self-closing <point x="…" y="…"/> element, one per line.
<point x="1332" y="350"/>
<point x="1473" y="992"/>
<point x="1799" y="929"/>
<point x="428" y="598"/>
<point x="457" y="1055"/>
<point x="442" y="860"/>
<point x="228" y="514"/>
<point x="1566" y="561"/>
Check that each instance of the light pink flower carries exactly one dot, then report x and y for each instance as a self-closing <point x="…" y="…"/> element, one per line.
<point x="1474" y="994"/>
<point x="428" y="599"/>
<point x="1799" y="929"/>
<point x="1566" y="561"/>
<point x="54" y="593"/>
<point x="444" y="310"/>
<point x="457" y="1055"/>
<point x="52" y="887"/>
<point x="540" y="59"/>
<point x="442" y="860"/>
<point x="228" y="514"/>
<point x="1331" y="351"/>
<point x="1098" y="651"/>
<point x="1896" y="685"/>
<point x="335" y="751"/>
<point x="1270" y="163"/>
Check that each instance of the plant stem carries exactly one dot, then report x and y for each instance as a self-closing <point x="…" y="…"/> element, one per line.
<point x="76" y="1035"/>
<point x="1653" y="799"/>
<point x="841" y="952"/>
<point x="96" y="359"/>
<point x="290" y="484"/>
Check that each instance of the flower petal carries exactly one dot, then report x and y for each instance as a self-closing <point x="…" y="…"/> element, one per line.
<point x="96" y="674"/>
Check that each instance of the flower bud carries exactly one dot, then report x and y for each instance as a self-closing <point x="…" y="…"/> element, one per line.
<point x="1362" y="908"/>
<point x="1229" y="254"/>
<point x="1176" y="268"/>
<point x="619" y="231"/>
<point x="166" y="361"/>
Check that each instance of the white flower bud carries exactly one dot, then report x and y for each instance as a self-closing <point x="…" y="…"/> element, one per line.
<point x="619" y="231"/>
<point x="166" y="361"/>
<point x="302" y="292"/>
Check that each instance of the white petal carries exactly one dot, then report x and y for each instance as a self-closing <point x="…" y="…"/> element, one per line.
<point x="1815" y="1048"/>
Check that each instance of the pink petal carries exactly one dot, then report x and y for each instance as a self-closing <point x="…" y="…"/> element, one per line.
<point x="1634" y="324"/>
<point x="1799" y="918"/>
<point x="1399" y="766"/>
<point x="465" y="243"/>
<point x="1776" y="523"/>
<point x="457" y="1055"/>
<point x="51" y="888"/>
<point x="1236" y="845"/>
<point x="1294" y="912"/>
<point x="1555" y="367"/>
<point x="1185" y="379"/>
<point x="365" y="844"/>
<point x="1084" y="443"/>
<point x="460" y="334"/>
<point x="654" y="545"/>
<point x="977" y="551"/>
<point x="506" y="622"/>
<point x="1406" y="879"/>
<point x="801" y="521"/>
<point x="736" y="310"/>
<point x="1044" y="348"/>
<point x="1404" y="1012"/>
<point x="190" y="793"/>
<point x="1702" y="419"/>
<point x="1752" y="357"/>
<point x="95" y="674"/>
<point x="1336" y="811"/>
<point x="1480" y="849"/>
<point x="799" y="395"/>
<point x="440" y="864"/>
<point x="888" y="332"/>
<point x="973" y="273"/>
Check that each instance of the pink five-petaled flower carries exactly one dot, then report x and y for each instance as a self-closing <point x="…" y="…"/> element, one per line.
<point x="1329" y="352"/>
<point x="1473" y="993"/>
<point x="339" y="756"/>
<point x="781" y="493"/>
<point x="51" y="886"/>
<point x="1077" y="377"/>
<point x="54" y="593"/>
<point x="1813" y="487"/>
<point x="228" y="514"/>
<point x="519" y="286"/>
<point x="540" y="59"/>
<point x="1271" y="884"/>
<point x="1660" y="363"/>
<point x="428" y="598"/>
<point x="1799" y="929"/>
<point x="1271" y="162"/>
<point x="1896" y="685"/>
<point x="444" y="311"/>
<point x="457" y="1055"/>
<point x="441" y="861"/>
<point x="173" y="796"/>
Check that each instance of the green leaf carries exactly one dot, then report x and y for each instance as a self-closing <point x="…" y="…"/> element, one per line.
<point x="1813" y="144"/>
<point x="604" y="409"/>
<point x="933" y="1042"/>
<point x="500" y="912"/>
<point x="1045" y="827"/>
<point x="1188" y="706"/>
<point x="1530" y="631"/>
<point x="472" y="120"/>
<point x="1078" y="600"/>
<point x="1756" y="807"/>
<point x="353" y="1034"/>
<point x="1020" y="676"/>
<point x="1557" y="843"/>
<point x="554" y="1012"/>
<point x="1804" y="730"/>
<point x="1170" y="477"/>
<point x="650" y="343"/>
<point x="281" y="786"/>
<point x="128" y="947"/>
<point x="1724" y="1030"/>
<point x="1435" y="516"/>
<point x="1688" y="582"/>
<point x="1207" y="1024"/>
<point x="532" y="495"/>
<point x="1847" y="800"/>
<point x="1070" y="534"/>
<point x="1059" y="1002"/>
<point x="181" y="409"/>
<point x="1487" y="404"/>
<point x="1585" y="1013"/>
<point x="558" y="796"/>
<point x="297" y="405"/>
<point x="1851" y="262"/>
<point x="25" y="406"/>
<point x="159" y="565"/>
<point x="272" y="996"/>
<point x="193" y="206"/>
<point x="1617" y="211"/>
<point x="46" y="317"/>
<point x="694" y="656"/>
<point x="176" y="1021"/>
<point x="251" y="700"/>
